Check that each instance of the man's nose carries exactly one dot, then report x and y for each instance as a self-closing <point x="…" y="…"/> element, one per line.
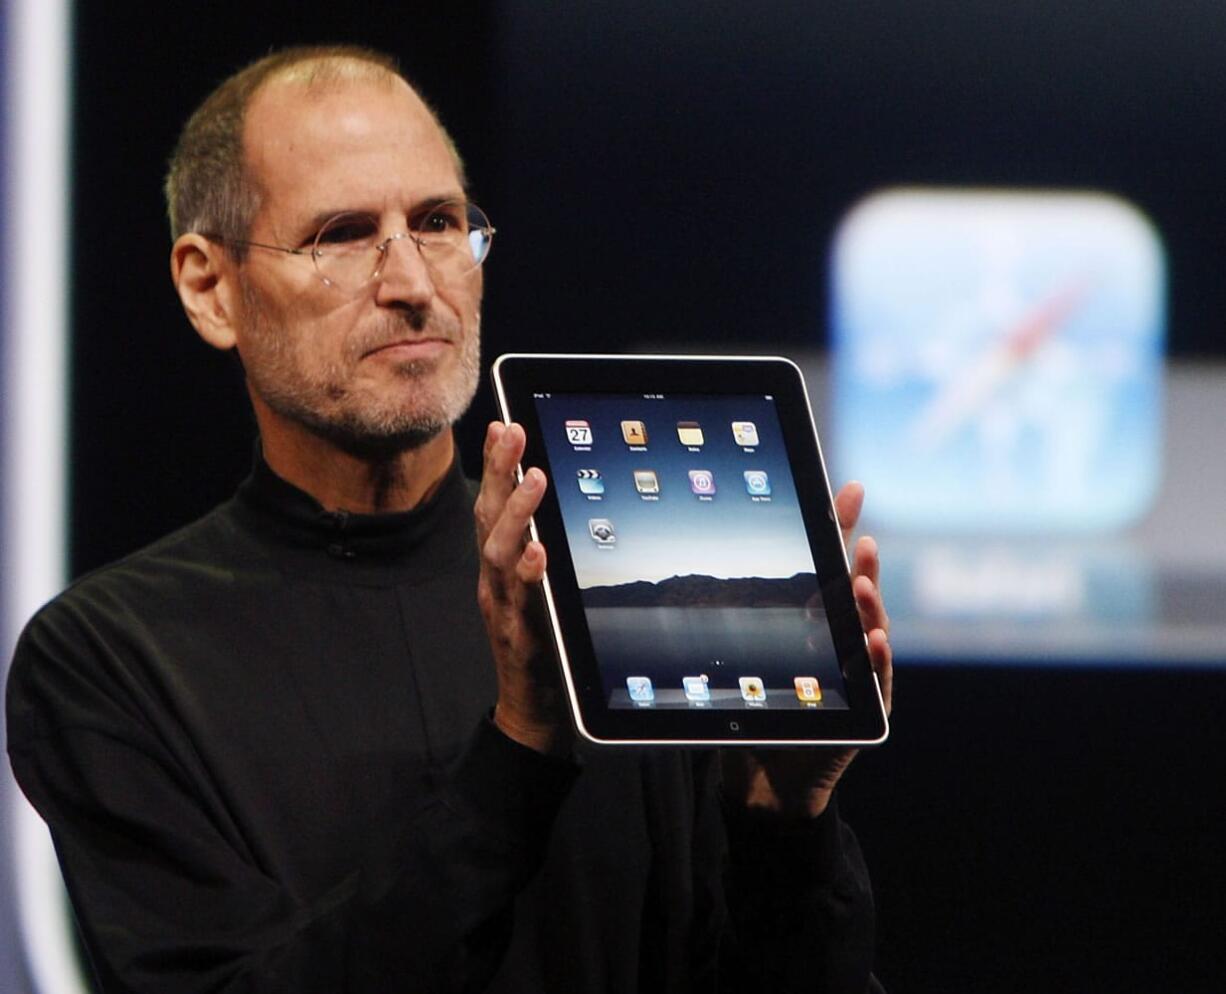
<point x="405" y="275"/>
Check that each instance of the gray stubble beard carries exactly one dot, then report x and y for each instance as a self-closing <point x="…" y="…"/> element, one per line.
<point x="317" y="402"/>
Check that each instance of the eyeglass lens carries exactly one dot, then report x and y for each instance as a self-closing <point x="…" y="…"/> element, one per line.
<point x="453" y="238"/>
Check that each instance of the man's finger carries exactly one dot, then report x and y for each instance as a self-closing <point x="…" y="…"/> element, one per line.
<point x="531" y="566"/>
<point x="881" y="655"/>
<point x="503" y="544"/>
<point x="870" y="605"/>
<point x="504" y="444"/>
<point x="848" y="503"/>
<point x="865" y="560"/>
<point x="493" y="432"/>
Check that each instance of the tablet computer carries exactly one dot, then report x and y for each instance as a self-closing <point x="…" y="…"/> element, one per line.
<point x="697" y="585"/>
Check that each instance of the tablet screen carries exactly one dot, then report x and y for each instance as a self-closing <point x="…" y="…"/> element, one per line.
<point x="690" y="551"/>
<point x="697" y="586"/>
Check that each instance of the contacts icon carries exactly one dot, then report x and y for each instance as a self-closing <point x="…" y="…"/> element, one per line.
<point x="634" y="433"/>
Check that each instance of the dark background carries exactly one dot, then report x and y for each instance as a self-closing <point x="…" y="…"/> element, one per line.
<point x="670" y="175"/>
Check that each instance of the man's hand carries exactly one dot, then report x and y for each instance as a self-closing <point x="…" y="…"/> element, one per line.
<point x="800" y="782"/>
<point x="531" y="706"/>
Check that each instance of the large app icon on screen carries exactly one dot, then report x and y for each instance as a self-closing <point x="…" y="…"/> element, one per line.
<point x="997" y="358"/>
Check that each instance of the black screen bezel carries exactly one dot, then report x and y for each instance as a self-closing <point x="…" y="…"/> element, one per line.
<point x="518" y="377"/>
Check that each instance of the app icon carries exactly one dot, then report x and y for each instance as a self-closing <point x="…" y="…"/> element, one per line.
<point x="689" y="432"/>
<point x="601" y="529"/>
<point x="757" y="483"/>
<point x="696" y="688"/>
<point x="646" y="481"/>
<point x="752" y="690"/>
<point x="578" y="433"/>
<point x="997" y="359"/>
<point x="745" y="433"/>
<point x="634" y="432"/>
<point x="808" y="689"/>
<point x="640" y="688"/>
<point x="590" y="481"/>
<point x="702" y="481"/>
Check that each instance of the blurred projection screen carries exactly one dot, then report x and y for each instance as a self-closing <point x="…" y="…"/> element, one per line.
<point x="998" y="382"/>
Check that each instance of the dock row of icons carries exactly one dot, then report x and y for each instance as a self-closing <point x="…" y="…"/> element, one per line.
<point x="647" y="482"/>
<point x="689" y="433"/>
<point x="698" y="690"/>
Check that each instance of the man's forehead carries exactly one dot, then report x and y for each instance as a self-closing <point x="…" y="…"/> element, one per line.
<point x="289" y="110"/>
<point x="296" y="131"/>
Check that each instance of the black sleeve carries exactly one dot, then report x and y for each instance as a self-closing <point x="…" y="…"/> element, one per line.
<point x="170" y="897"/>
<point x="800" y="906"/>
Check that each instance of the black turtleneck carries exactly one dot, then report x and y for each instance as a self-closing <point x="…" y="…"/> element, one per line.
<point x="262" y="748"/>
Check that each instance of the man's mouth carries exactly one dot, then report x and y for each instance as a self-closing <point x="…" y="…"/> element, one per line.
<point x="410" y="348"/>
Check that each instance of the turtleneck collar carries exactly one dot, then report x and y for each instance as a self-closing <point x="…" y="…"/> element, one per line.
<point x="440" y="527"/>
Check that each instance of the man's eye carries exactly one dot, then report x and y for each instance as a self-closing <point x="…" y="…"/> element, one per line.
<point x="441" y="220"/>
<point x="347" y="229"/>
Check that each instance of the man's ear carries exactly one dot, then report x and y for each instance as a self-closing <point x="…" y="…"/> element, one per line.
<point x="204" y="277"/>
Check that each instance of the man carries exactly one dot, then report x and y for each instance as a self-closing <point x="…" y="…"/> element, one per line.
<point x="265" y="745"/>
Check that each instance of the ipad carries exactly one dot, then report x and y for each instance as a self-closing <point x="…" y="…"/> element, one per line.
<point x="697" y="585"/>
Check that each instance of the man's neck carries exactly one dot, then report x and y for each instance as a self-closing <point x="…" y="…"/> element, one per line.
<point x="341" y="481"/>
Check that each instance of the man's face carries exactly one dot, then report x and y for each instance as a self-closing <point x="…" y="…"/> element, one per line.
<point x="391" y="365"/>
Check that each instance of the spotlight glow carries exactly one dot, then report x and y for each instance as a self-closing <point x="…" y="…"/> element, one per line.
<point x="35" y="422"/>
